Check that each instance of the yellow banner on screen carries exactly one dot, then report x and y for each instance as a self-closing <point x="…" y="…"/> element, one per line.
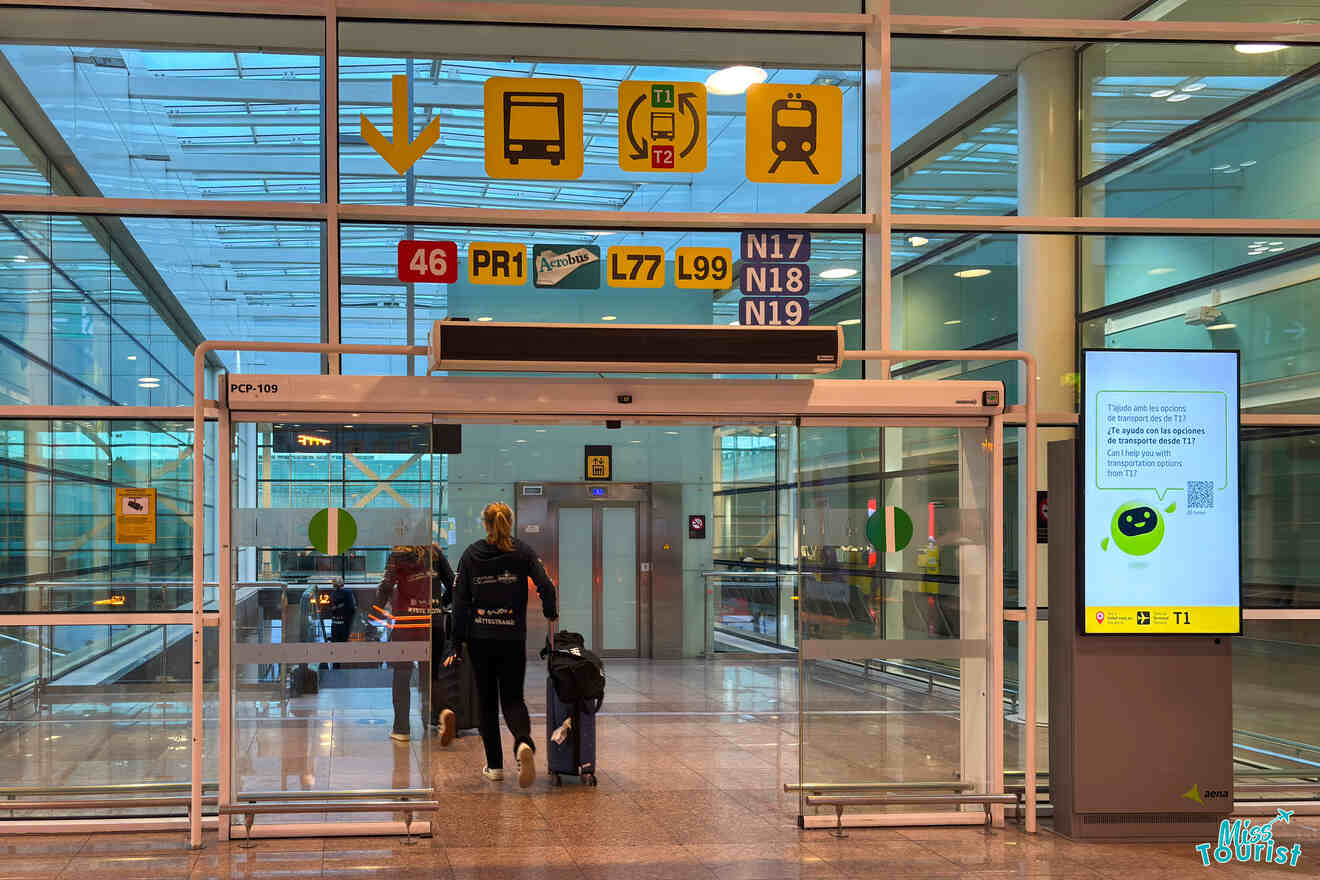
<point x="1140" y="620"/>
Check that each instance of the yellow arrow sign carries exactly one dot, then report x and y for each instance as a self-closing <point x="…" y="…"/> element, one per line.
<point x="401" y="154"/>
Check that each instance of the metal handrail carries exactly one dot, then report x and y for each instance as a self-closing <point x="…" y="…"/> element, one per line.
<point x="402" y="793"/>
<point x="839" y="802"/>
<point x="106" y="804"/>
<point x="935" y="785"/>
<point x="109" y="788"/>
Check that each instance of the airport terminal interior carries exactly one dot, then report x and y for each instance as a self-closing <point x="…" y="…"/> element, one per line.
<point x="780" y="329"/>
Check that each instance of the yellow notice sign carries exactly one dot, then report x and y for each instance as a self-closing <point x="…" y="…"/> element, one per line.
<point x="533" y="128"/>
<point x="703" y="268"/>
<point x="662" y="126"/>
<point x="636" y="266"/>
<point x="495" y="262"/>
<point x="794" y="134"/>
<point x="135" y="516"/>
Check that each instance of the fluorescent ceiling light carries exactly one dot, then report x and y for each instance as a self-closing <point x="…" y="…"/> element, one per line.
<point x="485" y="318"/>
<point x="1193" y="87"/>
<point x="734" y="80"/>
<point x="1247" y="164"/>
<point x="1161" y="93"/>
<point x="672" y="433"/>
<point x="20" y="258"/>
<point x="599" y="232"/>
<point x="132" y="357"/>
<point x="609" y="317"/>
<point x="1161" y="270"/>
<point x="848" y="322"/>
<point x="1222" y="167"/>
<point x="1175" y="99"/>
<point x="838" y="272"/>
<point x="1224" y="326"/>
<point x="1259" y="48"/>
<point x="953" y="322"/>
<point x="971" y="273"/>
<point x="918" y="240"/>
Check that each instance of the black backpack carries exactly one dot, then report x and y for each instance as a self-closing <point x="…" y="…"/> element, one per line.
<point x="578" y="674"/>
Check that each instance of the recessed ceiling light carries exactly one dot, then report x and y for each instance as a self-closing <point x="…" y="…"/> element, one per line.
<point x="1223" y="326"/>
<point x="672" y="433"/>
<point x="1258" y="48"/>
<point x="132" y="357"/>
<point x="848" y="322"/>
<point x="953" y="322"/>
<point x="1193" y="87"/>
<point x="148" y="379"/>
<point x="1161" y="93"/>
<point x="1176" y="99"/>
<point x="918" y="240"/>
<point x="540" y="430"/>
<point x="485" y="318"/>
<point x="971" y="273"/>
<point x="838" y="272"/>
<point x="609" y="317"/>
<point x="734" y="80"/>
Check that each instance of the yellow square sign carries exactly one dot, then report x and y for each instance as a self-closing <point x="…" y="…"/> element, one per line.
<point x="533" y="128"/>
<point x="135" y="516"/>
<point x="703" y="268"/>
<point x="636" y="266"/>
<point x="496" y="262"/>
<point x="794" y="134"/>
<point x="662" y="126"/>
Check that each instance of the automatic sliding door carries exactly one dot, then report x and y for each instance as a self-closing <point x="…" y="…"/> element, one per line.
<point x="332" y="535"/>
<point x="577" y="572"/>
<point x="895" y="594"/>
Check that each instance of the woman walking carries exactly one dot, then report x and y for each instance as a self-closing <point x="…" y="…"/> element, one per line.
<point x="490" y="616"/>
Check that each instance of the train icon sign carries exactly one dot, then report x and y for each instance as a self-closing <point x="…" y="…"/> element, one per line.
<point x="533" y="128"/>
<point x="662" y="126"/>
<point x="794" y="134"/>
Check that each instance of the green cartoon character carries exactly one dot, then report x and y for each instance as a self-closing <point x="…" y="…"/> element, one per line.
<point x="1137" y="528"/>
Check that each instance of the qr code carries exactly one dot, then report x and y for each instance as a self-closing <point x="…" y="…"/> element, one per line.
<point x="1200" y="494"/>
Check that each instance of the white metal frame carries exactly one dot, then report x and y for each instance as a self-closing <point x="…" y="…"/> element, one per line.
<point x="876" y="26"/>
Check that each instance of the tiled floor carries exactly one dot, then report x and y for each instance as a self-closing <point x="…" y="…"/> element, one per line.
<point x="693" y="758"/>
<point x="631" y="837"/>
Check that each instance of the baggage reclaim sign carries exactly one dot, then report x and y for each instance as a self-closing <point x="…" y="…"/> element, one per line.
<point x="775" y="278"/>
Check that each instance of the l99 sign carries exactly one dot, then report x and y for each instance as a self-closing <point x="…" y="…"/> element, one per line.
<point x="428" y="262"/>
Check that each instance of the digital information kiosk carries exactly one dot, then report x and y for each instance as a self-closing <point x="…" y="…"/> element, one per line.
<point x="1144" y="591"/>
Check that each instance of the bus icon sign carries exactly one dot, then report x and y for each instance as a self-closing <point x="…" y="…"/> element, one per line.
<point x="533" y="128"/>
<point x="794" y="134"/>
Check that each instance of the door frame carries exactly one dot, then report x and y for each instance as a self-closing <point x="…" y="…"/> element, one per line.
<point x="672" y="401"/>
<point x="545" y="538"/>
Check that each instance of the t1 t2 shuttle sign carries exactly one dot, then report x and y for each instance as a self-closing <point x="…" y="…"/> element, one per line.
<point x="1161" y="545"/>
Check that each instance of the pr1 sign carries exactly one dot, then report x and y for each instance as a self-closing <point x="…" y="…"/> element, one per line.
<point x="428" y="262"/>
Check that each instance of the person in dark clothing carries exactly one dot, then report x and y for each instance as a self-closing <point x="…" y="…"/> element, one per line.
<point x="406" y="589"/>
<point x="442" y="597"/>
<point x="490" y="616"/>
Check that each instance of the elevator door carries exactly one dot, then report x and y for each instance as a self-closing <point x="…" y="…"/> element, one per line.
<point x="594" y="543"/>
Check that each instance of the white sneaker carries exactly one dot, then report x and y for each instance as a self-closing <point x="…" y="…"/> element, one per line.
<point x="492" y="775"/>
<point x="526" y="765"/>
<point x="400" y="737"/>
<point x="448" y="726"/>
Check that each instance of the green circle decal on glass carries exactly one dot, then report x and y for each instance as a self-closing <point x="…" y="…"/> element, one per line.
<point x="889" y="529"/>
<point x="318" y="531"/>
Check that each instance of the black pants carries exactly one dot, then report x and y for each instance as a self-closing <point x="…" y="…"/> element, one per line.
<point x="402" y="698"/>
<point x="500" y="668"/>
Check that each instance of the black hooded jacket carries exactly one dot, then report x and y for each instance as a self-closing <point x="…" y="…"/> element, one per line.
<point x="490" y="592"/>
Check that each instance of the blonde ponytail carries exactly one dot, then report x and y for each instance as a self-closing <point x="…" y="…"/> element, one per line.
<point x="498" y="519"/>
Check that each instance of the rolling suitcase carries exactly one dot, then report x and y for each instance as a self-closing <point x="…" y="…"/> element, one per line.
<point x="574" y="692"/>
<point x="453" y="687"/>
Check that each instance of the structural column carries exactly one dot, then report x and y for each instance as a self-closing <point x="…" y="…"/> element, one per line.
<point x="1047" y="295"/>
